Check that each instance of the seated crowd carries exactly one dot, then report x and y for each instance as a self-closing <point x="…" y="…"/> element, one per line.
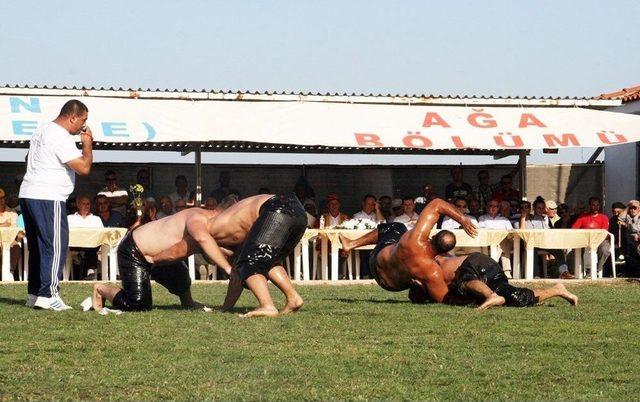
<point x="489" y="206"/>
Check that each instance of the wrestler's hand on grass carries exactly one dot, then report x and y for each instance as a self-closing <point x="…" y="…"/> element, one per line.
<point x="469" y="228"/>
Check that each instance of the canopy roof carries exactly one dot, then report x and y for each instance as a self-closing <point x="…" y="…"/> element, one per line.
<point x="259" y="122"/>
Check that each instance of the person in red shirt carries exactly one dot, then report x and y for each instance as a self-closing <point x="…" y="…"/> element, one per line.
<point x="594" y="219"/>
<point x="505" y="192"/>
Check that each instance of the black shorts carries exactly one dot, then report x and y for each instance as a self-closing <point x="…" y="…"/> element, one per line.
<point x="478" y="266"/>
<point x="136" y="274"/>
<point x="388" y="234"/>
<point x="273" y="236"/>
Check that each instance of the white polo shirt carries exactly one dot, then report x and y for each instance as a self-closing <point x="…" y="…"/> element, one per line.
<point x="90" y="221"/>
<point x="497" y="222"/>
<point x="48" y="177"/>
<point x="450" y="224"/>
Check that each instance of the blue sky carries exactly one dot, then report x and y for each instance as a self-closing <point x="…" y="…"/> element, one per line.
<point x="502" y="48"/>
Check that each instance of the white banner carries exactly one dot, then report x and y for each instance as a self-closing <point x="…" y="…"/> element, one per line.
<point x="327" y="124"/>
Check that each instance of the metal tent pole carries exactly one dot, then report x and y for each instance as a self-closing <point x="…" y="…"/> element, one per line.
<point x="198" y="151"/>
<point x="523" y="174"/>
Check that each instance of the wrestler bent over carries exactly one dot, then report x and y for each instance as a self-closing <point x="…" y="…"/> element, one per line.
<point x="268" y="227"/>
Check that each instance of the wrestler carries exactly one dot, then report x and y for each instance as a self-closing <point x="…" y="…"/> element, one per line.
<point x="405" y="259"/>
<point x="266" y="228"/>
<point x="431" y="273"/>
<point x="142" y="256"/>
<point x="263" y="230"/>
<point x="480" y="278"/>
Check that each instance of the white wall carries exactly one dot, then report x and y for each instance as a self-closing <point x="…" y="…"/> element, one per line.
<point x="621" y="165"/>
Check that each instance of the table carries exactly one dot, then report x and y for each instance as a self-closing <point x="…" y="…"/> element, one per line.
<point x="105" y="238"/>
<point x="487" y="238"/>
<point x="559" y="239"/>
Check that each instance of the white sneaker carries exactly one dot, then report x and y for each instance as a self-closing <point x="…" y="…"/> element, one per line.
<point x="31" y="300"/>
<point x="51" y="303"/>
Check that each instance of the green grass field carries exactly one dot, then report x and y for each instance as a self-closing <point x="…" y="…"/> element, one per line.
<point x="348" y="342"/>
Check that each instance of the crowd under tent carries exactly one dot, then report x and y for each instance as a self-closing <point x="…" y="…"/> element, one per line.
<point x="219" y="121"/>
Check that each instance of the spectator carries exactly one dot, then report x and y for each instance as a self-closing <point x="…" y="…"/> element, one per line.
<point x="180" y="204"/>
<point x="109" y="218"/>
<point x="458" y="188"/>
<point x="565" y="220"/>
<point x="493" y="220"/>
<point x="396" y="209"/>
<point x="632" y="223"/>
<point x="619" y="231"/>
<point x="181" y="193"/>
<point x="118" y="197"/>
<point x="368" y="209"/>
<point x="428" y="194"/>
<point x="552" y="212"/>
<point x="210" y="203"/>
<point x="461" y="205"/>
<point x="579" y="209"/>
<point x="84" y="218"/>
<point x="310" y="209"/>
<point x="85" y="260"/>
<point x="143" y="177"/>
<point x="300" y="189"/>
<point x="539" y="220"/>
<point x="505" y="211"/>
<point x="166" y="207"/>
<point x="227" y="202"/>
<point x="505" y="192"/>
<point x="333" y="217"/>
<point x="385" y="207"/>
<point x="9" y="219"/>
<point x="474" y="208"/>
<point x="485" y="189"/>
<point x="13" y="201"/>
<point x="72" y="208"/>
<point x="595" y="220"/>
<point x="149" y="213"/>
<point x="224" y="189"/>
<point x="149" y="202"/>
<point x="409" y="216"/>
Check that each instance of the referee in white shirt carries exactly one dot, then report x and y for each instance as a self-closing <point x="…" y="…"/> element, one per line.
<point x="52" y="163"/>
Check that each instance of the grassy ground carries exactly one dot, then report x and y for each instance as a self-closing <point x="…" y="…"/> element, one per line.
<point x="348" y="342"/>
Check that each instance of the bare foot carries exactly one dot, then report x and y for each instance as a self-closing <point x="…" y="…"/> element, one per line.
<point x="293" y="305"/>
<point x="565" y="294"/>
<point x="346" y="243"/>
<point x="96" y="299"/>
<point x="261" y="312"/>
<point x="493" y="300"/>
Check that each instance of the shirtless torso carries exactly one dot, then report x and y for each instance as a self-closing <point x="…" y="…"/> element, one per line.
<point x="192" y="230"/>
<point x="414" y="260"/>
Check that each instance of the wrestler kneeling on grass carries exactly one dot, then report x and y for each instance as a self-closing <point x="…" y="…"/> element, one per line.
<point x="156" y="250"/>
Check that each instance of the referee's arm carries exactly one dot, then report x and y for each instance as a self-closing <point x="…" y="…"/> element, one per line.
<point x="82" y="165"/>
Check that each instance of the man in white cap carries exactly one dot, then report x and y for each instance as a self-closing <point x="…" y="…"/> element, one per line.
<point x="552" y="212"/>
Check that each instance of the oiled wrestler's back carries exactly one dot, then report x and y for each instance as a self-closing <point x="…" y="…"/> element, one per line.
<point x="231" y="227"/>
